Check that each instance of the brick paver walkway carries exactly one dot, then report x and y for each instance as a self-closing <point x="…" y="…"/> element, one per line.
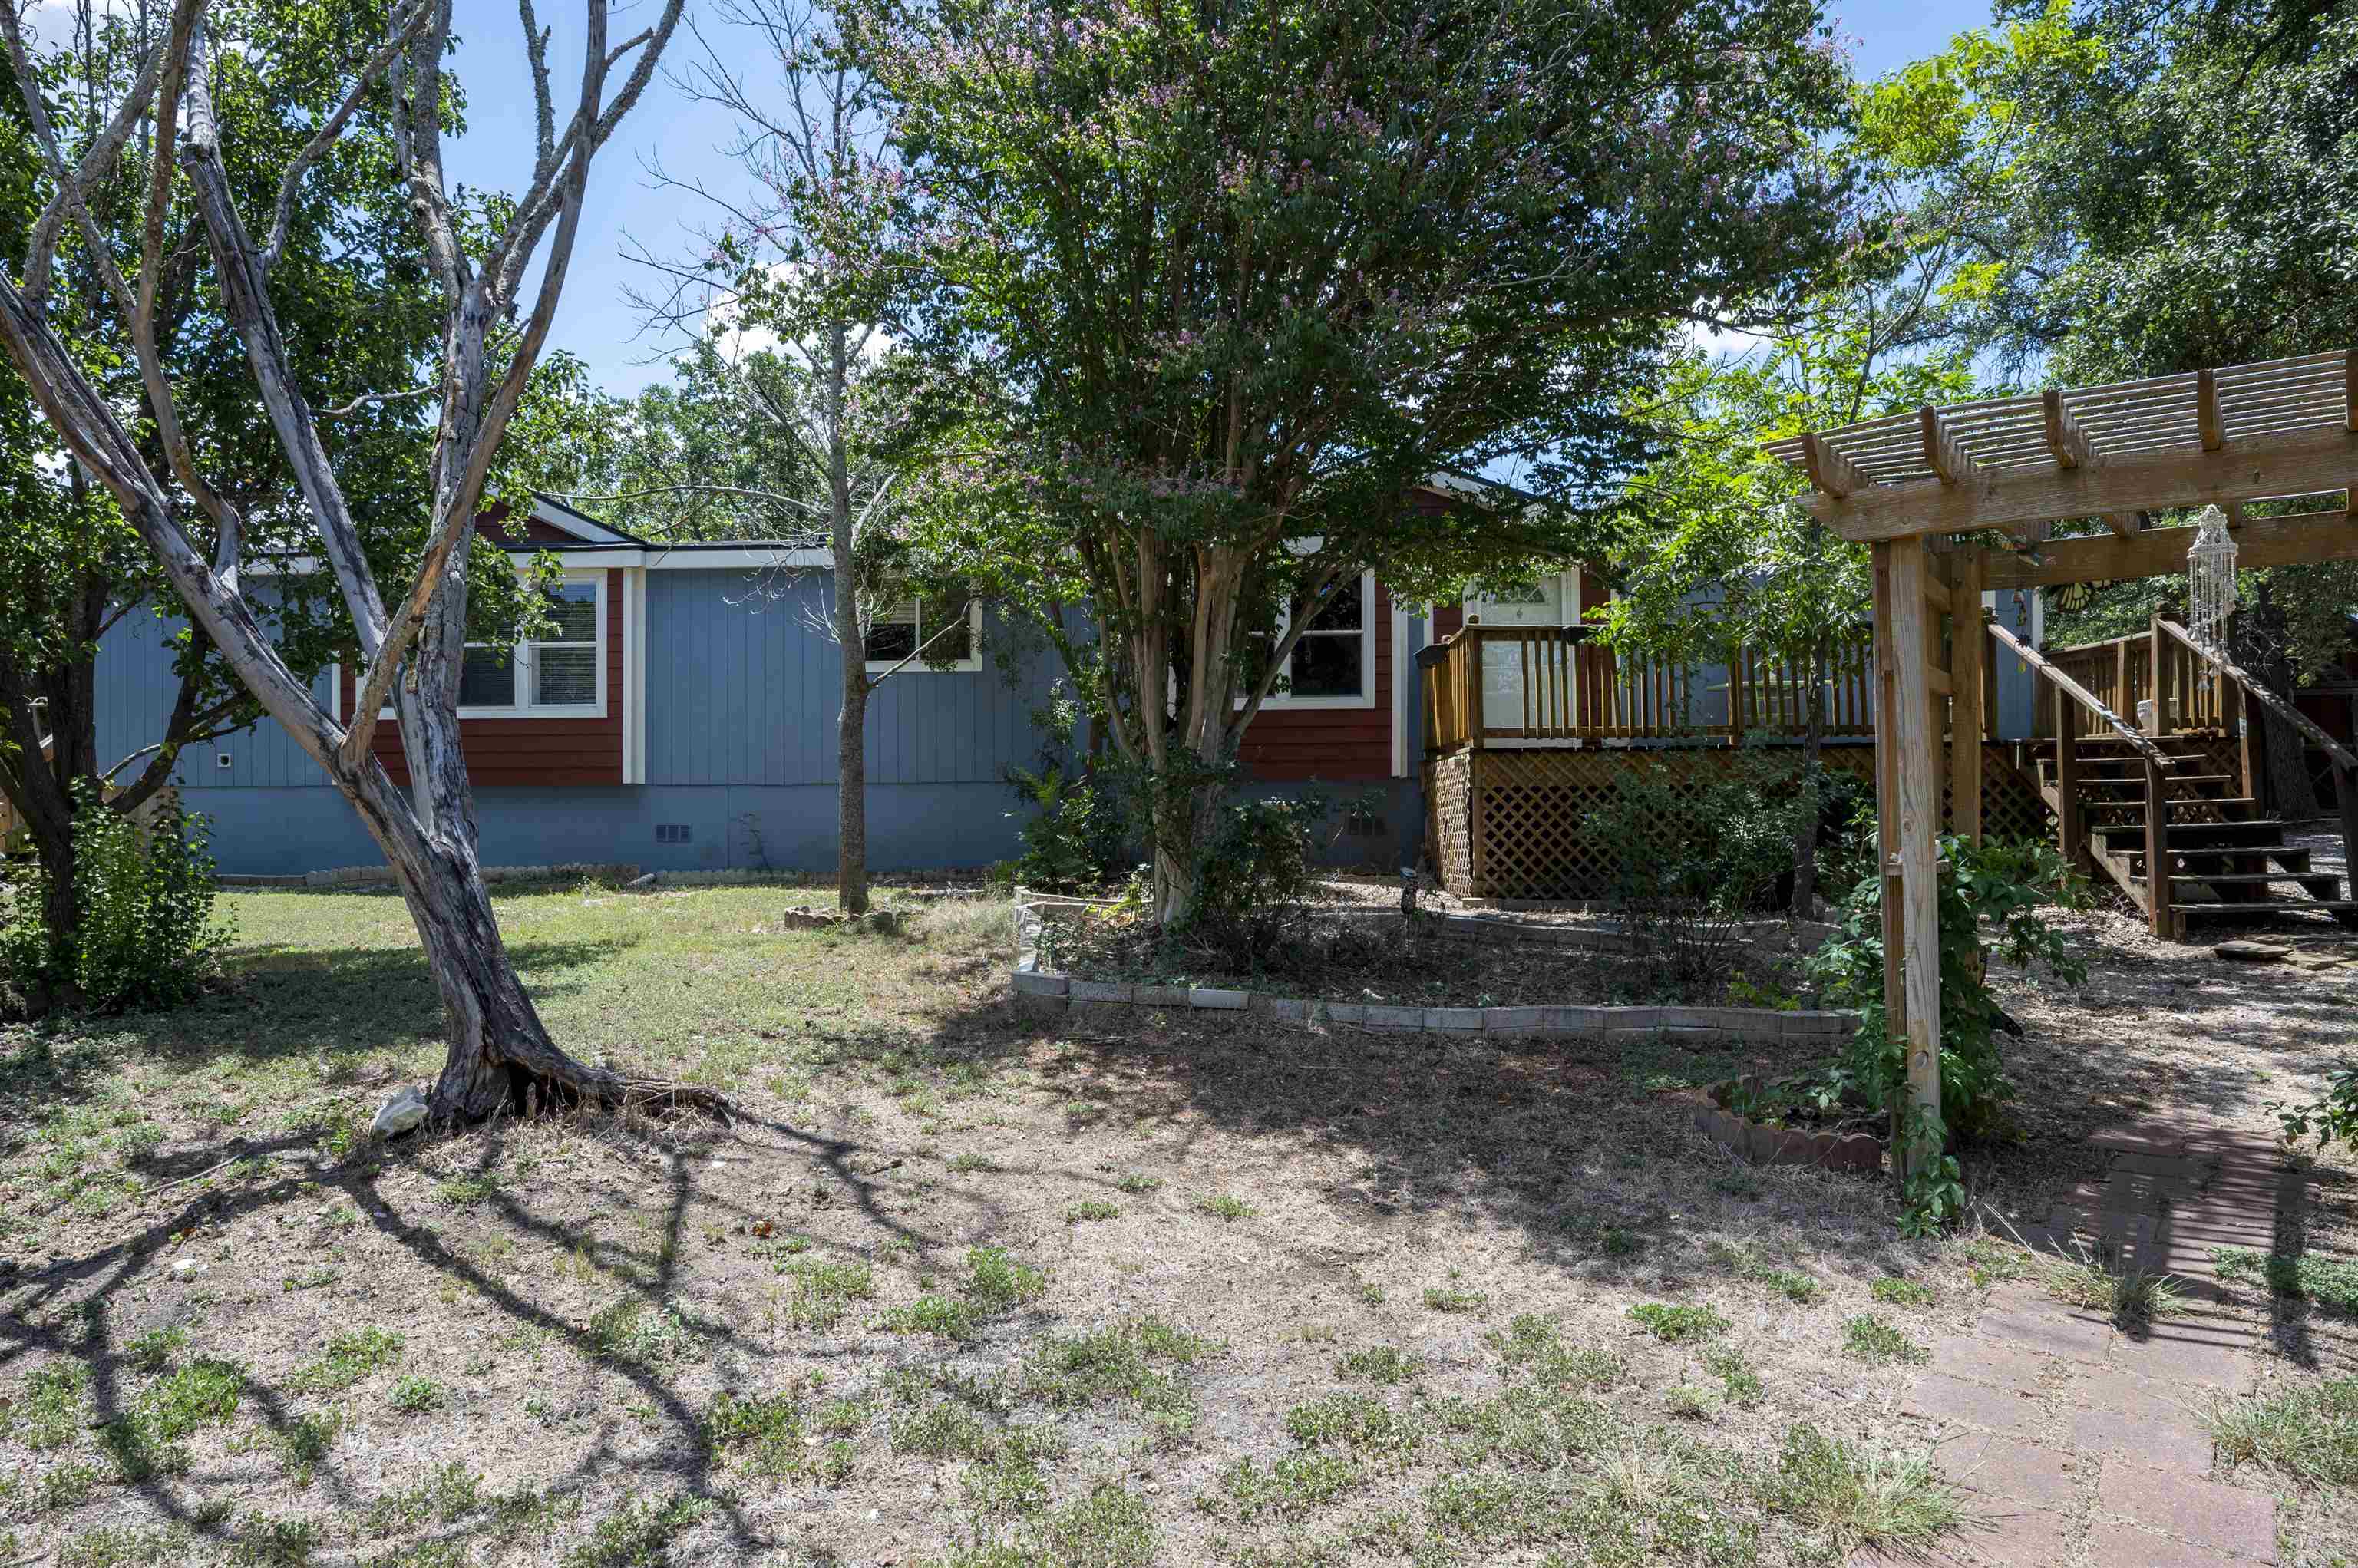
<point x="2078" y="1443"/>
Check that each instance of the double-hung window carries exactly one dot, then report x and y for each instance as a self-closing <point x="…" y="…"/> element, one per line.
<point x="1333" y="664"/>
<point x="947" y="632"/>
<point x="557" y="673"/>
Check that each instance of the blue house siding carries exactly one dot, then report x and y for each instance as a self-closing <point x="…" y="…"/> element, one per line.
<point x="135" y="687"/>
<point x="743" y="690"/>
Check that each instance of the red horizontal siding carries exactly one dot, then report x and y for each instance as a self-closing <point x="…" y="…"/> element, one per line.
<point x="1339" y="743"/>
<point x="507" y="751"/>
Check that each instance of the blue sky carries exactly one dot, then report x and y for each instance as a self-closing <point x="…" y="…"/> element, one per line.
<point x="598" y="322"/>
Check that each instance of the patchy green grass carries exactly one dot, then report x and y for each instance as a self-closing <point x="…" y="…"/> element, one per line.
<point x="1457" y="1299"/>
<point x="2329" y="1282"/>
<point x="1385" y="1365"/>
<point x="1288" y="1488"/>
<point x="1095" y="1208"/>
<point x="1678" y="1325"/>
<point x="822" y="1293"/>
<point x="1870" y="1339"/>
<point x="1225" y="1205"/>
<point x="1138" y="1183"/>
<point x="1893" y="1290"/>
<point x="2128" y="1296"/>
<point x="418" y="1396"/>
<point x="640" y="1535"/>
<point x="2309" y="1433"/>
<point x="349" y="1357"/>
<point x="1854" y="1495"/>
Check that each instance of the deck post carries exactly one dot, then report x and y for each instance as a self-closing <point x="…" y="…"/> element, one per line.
<point x="2163" y="667"/>
<point x="2346" y="798"/>
<point x="1968" y="674"/>
<point x="2067" y="777"/>
<point x="1918" y="772"/>
<point x="1886" y="794"/>
<point x="2159" y="892"/>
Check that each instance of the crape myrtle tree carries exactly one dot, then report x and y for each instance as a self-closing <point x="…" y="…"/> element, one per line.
<point x="71" y="567"/>
<point x="411" y="643"/>
<point x="1230" y="277"/>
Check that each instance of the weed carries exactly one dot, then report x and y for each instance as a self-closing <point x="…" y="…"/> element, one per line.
<point x="153" y="1351"/>
<point x="1454" y="1298"/>
<point x="203" y="1393"/>
<point x="1856" y="1496"/>
<point x="1385" y="1365"/>
<point x="823" y="1293"/>
<point x="2125" y="1295"/>
<point x="1094" y="1208"/>
<point x="1357" y="1422"/>
<point x="348" y="1359"/>
<point x="262" y="1541"/>
<point x="459" y="1192"/>
<point x="627" y="1331"/>
<point x="639" y="1534"/>
<point x="307" y="1440"/>
<point x="1990" y="1259"/>
<point x="1008" y="1482"/>
<point x="50" y="1412"/>
<point x="947" y="1316"/>
<point x="1736" y="1375"/>
<point x="1678" y="1325"/>
<point x="1871" y="1339"/>
<point x="1118" y="1366"/>
<point x="1138" y="1183"/>
<point x="63" y="1487"/>
<point x="416" y="1396"/>
<point x="1487" y="1508"/>
<point x="1291" y="1486"/>
<point x="998" y="1283"/>
<point x="132" y="1446"/>
<point x="122" y="1547"/>
<point x="1895" y="1292"/>
<point x="1738" y="1182"/>
<point x="970" y="1162"/>
<point x="1798" y="1289"/>
<point x="1534" y="1343"/>
<point x="1691" y="1401"/>
<point x="767" y="1431"/>
<point x="2309" y="1433"/>
<point x="1225" y="1205"/>
<point x="1108" y="1529"/>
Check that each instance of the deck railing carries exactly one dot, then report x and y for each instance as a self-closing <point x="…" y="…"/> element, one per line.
<point x="1524" y="684"/>
<point x="2122" y="672"/>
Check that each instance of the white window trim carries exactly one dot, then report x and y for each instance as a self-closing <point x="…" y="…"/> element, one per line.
<point x="1366" y="697"/>
<point x="972" y="661"/>
<point x="520" y="669"/>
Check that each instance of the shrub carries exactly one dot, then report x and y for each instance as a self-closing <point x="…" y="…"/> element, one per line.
<point x="145" y="906"/>
<point x="1074" y="837"/>
<point x="1692" y="861"/>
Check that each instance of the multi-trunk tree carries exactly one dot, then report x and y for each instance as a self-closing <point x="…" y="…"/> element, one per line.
<point x="493" y="319"/>
<point x="71" y="571"/>
<point x="1230" y="278"/>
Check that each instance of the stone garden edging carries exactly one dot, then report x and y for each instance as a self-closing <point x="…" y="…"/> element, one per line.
<point x="1764" y="1145"/>
<point x="1046" y="993"/>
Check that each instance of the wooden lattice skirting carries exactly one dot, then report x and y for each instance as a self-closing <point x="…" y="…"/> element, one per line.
<point x="1514" y="824"/>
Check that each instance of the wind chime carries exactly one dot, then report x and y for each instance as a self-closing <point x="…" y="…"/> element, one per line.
<point x="2210" y="585"/>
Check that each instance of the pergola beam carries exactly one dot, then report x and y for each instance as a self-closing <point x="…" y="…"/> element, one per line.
<point x="1831" y="473"/>
<point x="1942" y="453"/>
<point x="2295" y="539"/>
<point x="2065" y="441"/>
<point x="2304" y="462"/>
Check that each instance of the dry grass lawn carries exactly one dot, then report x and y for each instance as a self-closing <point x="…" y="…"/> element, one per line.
<point x="960" y="1287"/>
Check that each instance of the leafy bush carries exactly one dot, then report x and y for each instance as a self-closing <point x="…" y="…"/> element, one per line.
<point x="1074" y="836"/>
<point x="2004" y="886"/>
<point x="1693" y="860"/>
<point x="145" y="899"/>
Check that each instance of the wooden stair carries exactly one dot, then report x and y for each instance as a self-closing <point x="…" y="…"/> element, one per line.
<point x="2225" y="857"/>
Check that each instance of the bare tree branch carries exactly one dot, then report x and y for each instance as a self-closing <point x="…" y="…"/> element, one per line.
<point x="404" y="32"/>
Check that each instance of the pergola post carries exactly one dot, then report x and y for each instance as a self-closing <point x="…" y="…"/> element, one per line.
<point x="1887" y="798"/>
<point x="1916" y="765"/>
<point x="1969" y="674"/>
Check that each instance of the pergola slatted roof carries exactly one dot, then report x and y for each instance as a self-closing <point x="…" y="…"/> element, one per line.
<point x="2249" y="432"/>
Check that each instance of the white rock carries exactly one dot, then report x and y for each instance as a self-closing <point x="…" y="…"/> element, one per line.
<point x="187" y="1268"/>
<point x="404" y="1112"/>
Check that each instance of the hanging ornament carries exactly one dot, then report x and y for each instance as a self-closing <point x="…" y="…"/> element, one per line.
<point x="2210" y="582"/>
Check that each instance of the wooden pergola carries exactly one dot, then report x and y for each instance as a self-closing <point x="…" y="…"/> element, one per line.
<point x="1929" y="489"/>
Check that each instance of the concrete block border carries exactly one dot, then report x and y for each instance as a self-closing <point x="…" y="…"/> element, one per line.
<point x="1047" y="994"/>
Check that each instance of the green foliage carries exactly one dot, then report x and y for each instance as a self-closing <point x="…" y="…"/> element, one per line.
<point x="2308" y="1432"/>
<point x="1159" y="431"/>
<point x="144" y="935"/>
<point x="640" y="1535"/>
<point x="1693" y="859"/>
<point x="1678" y="1325"/>
<point x="1073" y="840"/>
<point x="1897" y="1292"/>
<point x="2330" y="1282"/>
<point x="1851" y="1495"/>
<point x="1869" y="1338"/>
<point x="2005" y="886"/>
<point x="350" y="1357"/>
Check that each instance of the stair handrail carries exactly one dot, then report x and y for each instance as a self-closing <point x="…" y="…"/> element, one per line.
<point x="2341" y="754"/>
<point x="2086" y="699"/>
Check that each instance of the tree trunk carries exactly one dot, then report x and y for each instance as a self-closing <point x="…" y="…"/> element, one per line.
<point x="2259" y="640"/>
<point x="1814" y="742"/>
<point x="851" y="636"/>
